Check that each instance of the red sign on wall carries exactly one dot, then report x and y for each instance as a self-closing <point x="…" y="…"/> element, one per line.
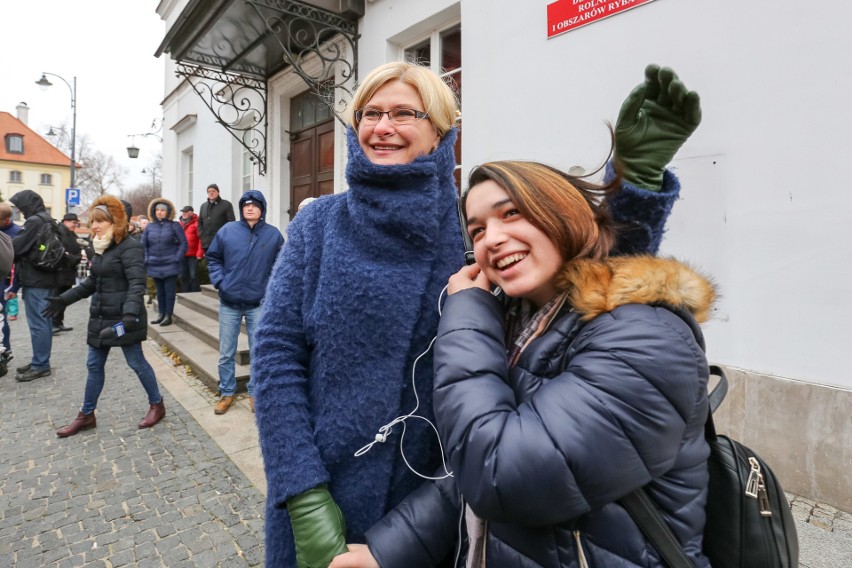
<point x="566" y="15"/>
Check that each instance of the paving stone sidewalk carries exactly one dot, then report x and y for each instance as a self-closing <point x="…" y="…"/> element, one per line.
<point x="115" y="495"/>
<point x="166" y="497"/>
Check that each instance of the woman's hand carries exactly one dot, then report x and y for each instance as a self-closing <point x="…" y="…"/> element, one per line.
<point x="468" y="277"/>
<point x="359" y="556"/>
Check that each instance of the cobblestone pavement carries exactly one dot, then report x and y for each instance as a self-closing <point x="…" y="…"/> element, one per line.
<point x="115" y="495"/>
<point x="825" y="534"/>
<point x="169" y="496"/>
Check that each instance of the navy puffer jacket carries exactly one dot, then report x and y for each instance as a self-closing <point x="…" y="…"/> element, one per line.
<point x="164" y="242"/>
<point x="610" y="398"/>
<point x="241" y="257"/>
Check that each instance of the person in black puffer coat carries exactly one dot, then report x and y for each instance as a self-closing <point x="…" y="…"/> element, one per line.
<point x="37" y="284"/>
<point x="68" y="274"/>
<point x="117" y="316"/>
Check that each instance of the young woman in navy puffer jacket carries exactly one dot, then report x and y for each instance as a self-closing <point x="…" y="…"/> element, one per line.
<point x="584" y="380"/>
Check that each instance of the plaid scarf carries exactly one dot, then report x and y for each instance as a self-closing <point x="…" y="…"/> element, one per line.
<point x="524" y="323"/>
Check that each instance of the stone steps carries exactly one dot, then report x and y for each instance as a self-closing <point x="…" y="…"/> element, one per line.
<point x="194" y="336"/>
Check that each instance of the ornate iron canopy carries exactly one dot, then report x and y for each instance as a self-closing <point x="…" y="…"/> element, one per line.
<point x="239" y="104"/>
<point x="235" y="46"/>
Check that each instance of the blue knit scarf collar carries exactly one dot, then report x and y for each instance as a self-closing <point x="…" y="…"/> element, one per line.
<point x="407" y="202"/>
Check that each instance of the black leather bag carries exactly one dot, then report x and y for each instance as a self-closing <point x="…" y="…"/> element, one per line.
<point x="749" y="523"/>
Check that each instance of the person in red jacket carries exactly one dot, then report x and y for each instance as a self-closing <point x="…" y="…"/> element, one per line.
<point x="189" y="266"/>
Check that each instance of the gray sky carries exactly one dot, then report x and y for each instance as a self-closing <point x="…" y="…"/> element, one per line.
<point x="109" y="46"/>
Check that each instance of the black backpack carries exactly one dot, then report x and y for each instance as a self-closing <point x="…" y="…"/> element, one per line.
<point x="48" y="253"/>
<point x="749" y="523"/>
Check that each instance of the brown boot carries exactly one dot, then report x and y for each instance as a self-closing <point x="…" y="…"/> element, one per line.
<point x="223" y="405"/>
<point x="155" y="414"/>
<point x="82" y="422"/>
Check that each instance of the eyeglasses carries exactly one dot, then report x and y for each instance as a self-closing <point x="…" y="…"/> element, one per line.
<point x="399" y="116"/>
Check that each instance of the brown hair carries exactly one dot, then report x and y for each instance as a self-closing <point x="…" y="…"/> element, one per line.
<point x="115" y="214"/>
<point x="568" y="209"/>
<point x="438" y="98"/>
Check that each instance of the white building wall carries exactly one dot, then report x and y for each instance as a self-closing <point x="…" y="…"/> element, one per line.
<point x="763" y="206"/>
<point x="216" y="154"/>
<point x="763" y="209"/>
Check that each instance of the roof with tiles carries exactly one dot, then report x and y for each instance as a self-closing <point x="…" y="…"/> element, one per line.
<point x="37" y="150"/>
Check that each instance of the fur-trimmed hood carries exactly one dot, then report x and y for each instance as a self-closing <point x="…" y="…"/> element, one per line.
<point x="156" y="201"/>
<point x="118" y="213"/>
<point x="597" y="287"/>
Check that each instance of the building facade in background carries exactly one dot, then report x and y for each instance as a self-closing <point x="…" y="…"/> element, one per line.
<point x="28" y="161"/>
<point x="252" y="89"/>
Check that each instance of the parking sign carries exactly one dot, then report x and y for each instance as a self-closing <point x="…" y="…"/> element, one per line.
<point x="72" y="197"/>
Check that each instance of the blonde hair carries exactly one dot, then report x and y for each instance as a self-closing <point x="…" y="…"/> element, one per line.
<point x="438" y="98"/>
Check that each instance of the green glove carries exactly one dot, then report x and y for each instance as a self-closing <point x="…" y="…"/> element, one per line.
<point x="318" y="528"/>
<point x="655" y="120"/>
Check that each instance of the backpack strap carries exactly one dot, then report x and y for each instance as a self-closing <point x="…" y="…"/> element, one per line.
<point x="644" y="512"/>
<point x="641" y="507"/>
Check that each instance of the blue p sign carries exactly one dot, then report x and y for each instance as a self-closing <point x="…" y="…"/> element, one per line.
<point x="72" y="197"/>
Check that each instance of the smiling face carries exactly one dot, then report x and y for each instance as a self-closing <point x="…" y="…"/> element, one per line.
<point x="388" y="143"/>
<point x="512" y="252"/>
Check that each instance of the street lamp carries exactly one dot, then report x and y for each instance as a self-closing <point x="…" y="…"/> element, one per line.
<point x="156" y="126"/>
<point x="153" y="177"/>
<point x="44" y="84"/>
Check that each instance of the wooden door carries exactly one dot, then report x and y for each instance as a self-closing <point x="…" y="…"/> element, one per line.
<point x="311" y="149"/>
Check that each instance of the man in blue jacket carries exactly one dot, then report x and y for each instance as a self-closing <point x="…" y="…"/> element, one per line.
<point x="239" y="261"/>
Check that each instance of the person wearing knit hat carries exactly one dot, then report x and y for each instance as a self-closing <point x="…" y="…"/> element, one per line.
<point x="116" y="286"/>
<point x="240" y="260"/>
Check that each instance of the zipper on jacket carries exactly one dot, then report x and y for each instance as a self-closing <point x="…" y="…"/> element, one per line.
<point x="581" y="556"/>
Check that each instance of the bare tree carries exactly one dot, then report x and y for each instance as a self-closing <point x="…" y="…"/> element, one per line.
<point x="140" y="197"/>
<point x="99" y="174"/>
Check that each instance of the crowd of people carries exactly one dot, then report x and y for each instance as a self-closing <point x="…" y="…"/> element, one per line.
<point x="440" y="380"/>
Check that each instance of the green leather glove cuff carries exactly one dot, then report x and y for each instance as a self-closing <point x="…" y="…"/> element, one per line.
<point x="319" y="528"/>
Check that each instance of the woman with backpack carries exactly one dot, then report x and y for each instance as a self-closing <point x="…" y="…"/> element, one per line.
<point x="116" y="285"/>
<point x="564" y="380"/>
<point x="164" y="243"/>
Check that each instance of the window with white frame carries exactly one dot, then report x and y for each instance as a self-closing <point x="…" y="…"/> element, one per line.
<point x="441" y="52"/>
<point x="188" y="160"/>
<point x="247" y="169"/>
<point x="14" y="176"/>
<point x="14" y="143"/>
<point x="46" y="179"/>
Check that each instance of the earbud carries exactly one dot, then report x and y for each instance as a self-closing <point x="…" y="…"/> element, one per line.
<point x="382" y="436"/>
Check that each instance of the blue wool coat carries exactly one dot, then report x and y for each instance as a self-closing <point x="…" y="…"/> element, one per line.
<point x="351" y="303"/>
